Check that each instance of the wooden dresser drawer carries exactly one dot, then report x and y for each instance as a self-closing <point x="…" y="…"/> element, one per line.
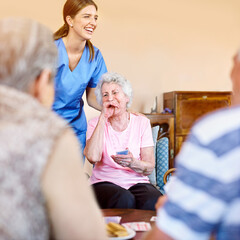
<point x="188" y="106"/>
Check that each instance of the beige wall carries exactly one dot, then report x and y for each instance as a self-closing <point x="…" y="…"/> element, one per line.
<point x="158" y="45"/>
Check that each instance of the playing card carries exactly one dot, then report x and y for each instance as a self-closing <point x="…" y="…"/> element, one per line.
<point x="138" y="226"/>
<point x="153" y="218"/>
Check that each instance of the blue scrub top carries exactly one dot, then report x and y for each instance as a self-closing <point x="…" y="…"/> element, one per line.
<point x="70" y="86"/>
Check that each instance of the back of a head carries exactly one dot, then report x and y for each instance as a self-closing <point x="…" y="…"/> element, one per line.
<point x="26" y="48"/>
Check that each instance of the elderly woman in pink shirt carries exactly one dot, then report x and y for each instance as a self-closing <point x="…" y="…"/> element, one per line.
<point x="120" y="145"/>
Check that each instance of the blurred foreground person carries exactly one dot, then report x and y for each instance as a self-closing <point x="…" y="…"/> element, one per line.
<point x="43" y="190"/>
<point x="204" y="197"/>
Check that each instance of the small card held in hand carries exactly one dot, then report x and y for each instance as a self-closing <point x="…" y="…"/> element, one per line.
<point x="125" y="152"/>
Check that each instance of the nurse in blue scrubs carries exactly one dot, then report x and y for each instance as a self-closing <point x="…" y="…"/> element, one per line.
<point x="80" y="64"/>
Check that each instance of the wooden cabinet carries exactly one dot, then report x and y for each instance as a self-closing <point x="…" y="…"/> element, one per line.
<point x="166" y="123"/>
<point x="188" y="106"/>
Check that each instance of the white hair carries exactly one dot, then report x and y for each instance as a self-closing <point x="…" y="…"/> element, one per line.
<point x="26" y="48"/>
<point x="112" y="77"/>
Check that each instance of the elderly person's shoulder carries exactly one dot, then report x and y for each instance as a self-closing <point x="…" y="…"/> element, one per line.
<point x="140" y="118"/>
<point x="140" y="122"/>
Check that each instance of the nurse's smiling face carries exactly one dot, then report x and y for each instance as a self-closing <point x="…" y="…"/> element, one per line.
<point x="84" y="23"/>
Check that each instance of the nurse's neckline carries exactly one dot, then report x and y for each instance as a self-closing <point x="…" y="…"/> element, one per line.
<point x="73" y="59"/>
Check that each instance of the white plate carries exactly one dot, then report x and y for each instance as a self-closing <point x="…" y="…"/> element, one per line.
<point x="131" y="234"/>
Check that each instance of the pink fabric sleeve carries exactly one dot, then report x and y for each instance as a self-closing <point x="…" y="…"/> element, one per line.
<point x="91" y="126"/>
<point x="147" y="138"/>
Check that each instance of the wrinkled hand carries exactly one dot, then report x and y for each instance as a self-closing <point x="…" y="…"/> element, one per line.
<point x="123" y="160"/>
<point x="109" y="109"/>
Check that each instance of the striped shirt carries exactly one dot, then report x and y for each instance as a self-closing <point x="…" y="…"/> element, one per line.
<point x="204" y="196"/>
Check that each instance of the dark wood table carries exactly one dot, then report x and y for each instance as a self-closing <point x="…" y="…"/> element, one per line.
<point x="131" y="215"/>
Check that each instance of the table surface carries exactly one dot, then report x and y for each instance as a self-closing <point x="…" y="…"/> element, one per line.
<point x="134" y="215"/>
<point x="131" y="215"/>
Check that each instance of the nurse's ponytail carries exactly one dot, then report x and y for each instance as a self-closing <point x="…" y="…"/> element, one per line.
<point x="91" y="50"/>
<point x="61" y="32"/>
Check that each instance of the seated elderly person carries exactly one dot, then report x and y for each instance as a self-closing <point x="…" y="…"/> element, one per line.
<point x="120" y="180"/>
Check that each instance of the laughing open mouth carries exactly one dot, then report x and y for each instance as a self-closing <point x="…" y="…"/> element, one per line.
<point x="90" y="30"/>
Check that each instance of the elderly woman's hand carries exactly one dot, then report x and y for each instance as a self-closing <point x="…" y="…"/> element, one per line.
<point x="109" y="108"/>
<point x="123" y="160"/>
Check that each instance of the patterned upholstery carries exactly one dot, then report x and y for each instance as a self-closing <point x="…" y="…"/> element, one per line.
<point x="152" y="176"/>
<point x="162" y="156"/>
<point x="161" y="149"/>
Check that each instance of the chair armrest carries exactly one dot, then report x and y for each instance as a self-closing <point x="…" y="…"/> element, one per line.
<point x="167" y="173"/>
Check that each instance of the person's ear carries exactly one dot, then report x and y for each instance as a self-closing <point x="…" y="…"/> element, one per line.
<point x="42" y="88"/>
<point x="69" y="21"/>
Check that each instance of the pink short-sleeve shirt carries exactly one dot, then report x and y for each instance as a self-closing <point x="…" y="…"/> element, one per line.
<point x="137" y="135"/>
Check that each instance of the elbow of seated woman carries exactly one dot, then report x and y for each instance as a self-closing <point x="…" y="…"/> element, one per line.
<point x="91" y="157"/>
<point x="93" y="160"/>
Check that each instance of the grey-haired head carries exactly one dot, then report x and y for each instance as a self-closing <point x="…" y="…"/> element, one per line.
<point x="112" y="77"/>
<point x="26" y="48"/>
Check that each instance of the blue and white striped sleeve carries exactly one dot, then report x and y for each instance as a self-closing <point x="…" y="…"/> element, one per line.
<point x="197" y="198"/>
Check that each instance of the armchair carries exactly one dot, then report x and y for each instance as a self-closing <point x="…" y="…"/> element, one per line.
<point x="162" y="144"/>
